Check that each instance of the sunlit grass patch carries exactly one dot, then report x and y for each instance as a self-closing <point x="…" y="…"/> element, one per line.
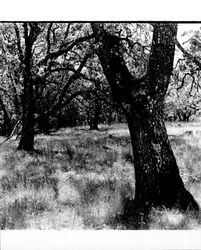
<point x="167" y="219"/>
<point x="16" y="206"/>
<point x="172" y="219"/>
<point x="79" y="174"/>
<point x="79" y="179"/>
<point x="189" y="160"/>
<point x="60" y="219"/>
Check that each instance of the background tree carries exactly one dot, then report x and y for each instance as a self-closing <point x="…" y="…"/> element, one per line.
<point x="183" y="95"/>
<point x="47" y="57"/>
<point x="11" y="84"/>
<point x="182" y="101"/>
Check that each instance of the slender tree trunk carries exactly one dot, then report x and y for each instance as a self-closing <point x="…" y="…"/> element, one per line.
<point x="27" y="136"/>
<point x="7" y="128"/>
<point x="94" y="118"/>
<point x="158" y="182"/>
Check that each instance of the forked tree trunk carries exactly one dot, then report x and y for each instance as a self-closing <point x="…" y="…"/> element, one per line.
<point x="158" y="182"/>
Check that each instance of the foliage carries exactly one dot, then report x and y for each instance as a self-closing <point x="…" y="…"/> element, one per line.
<point x="63" y="68"/>
<point x="184" y="93"/>
<point x="57" y="55"/>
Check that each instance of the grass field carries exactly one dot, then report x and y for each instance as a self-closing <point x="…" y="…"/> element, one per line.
<point x="80" y="178"/>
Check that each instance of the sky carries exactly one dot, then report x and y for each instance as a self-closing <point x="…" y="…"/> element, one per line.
<point x="186" y="27"/>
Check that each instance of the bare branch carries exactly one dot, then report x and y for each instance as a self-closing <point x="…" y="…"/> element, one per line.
<point x="67" y="31"/>
<point x="54" y="34"/>
<point x="59" y="97"/>
<point x="21" y="57"/>
<point x="54" y="109"/>
<point x="48" y="38"/>
<point x="12" y="133"/>
<point x="66" y="49"/>
<point x="82" y="102"/>
<point x="188" y="55"/>
<point x="133" y="44"/>
<point x="183" y="81"/>
<point x="178" y="61"/>
<point x="73" y="96"/>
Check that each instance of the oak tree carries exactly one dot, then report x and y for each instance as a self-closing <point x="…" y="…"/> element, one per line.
<point x="157" y="178"/>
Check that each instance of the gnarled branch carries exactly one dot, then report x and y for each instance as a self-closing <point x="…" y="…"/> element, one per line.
<point x="64" y="50"/>
<point x="194" y="59"/>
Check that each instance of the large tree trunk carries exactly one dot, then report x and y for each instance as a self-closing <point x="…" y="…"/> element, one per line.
<point x="158" y="182"/>
<point x="27" y="136"/>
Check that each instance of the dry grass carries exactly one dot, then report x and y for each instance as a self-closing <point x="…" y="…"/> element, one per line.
<point x="76" y="181"/>
<point x="79" y="179"/>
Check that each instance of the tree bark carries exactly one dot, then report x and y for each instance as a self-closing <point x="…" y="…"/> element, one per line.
<point x="6" y="128"/>
<point x="158" y="182"/>
<point x="94" y="115"/>
<point x="44" y="124"/>
<point x="27" y="136"/>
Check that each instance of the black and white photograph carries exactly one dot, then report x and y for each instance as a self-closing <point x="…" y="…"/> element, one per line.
<point x="100" y="127"/>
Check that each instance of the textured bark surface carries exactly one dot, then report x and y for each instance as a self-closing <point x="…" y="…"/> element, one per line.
<point x="158" y="182"/>
<point x="27" y="136"/>
<point x="94" y="116"/>
<point x="6" y="126"/>
<point x="44" y="124"/>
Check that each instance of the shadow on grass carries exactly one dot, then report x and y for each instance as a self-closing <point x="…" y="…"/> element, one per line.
<point x="130" y="218"/>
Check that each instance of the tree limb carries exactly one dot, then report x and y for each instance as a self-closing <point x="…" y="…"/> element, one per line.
<point x="67" y="31"/>
<point x="59" y="105"/>
<point x="116" y="71"/>
<point x="21" y="56"/>
<point x="183" y="80"/>
<point x="63" y="50"/>
<point x="48" y="38"/>
<point x="59" y="97"/>
<point x="12" y="133"/>
<point x="188" y="55"/>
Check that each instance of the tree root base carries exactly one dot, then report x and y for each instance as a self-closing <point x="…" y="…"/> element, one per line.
<point x="136" y="216"/>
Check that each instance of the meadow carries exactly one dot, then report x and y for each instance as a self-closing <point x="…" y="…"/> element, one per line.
<point x="79" y="179"/>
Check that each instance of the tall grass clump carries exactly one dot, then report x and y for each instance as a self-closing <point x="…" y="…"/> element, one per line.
<point x="172" y="219"/>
